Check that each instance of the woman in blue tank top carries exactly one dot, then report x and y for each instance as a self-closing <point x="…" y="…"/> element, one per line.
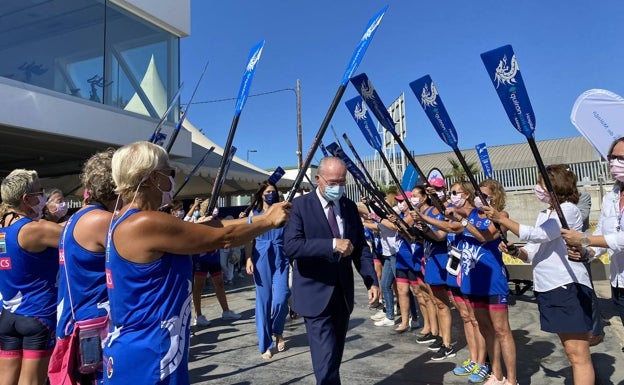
<point x="28" y="268"/>
<point x="269" y="266"/>
<point x="82" y="282"/>
<point x="149" y="269"/>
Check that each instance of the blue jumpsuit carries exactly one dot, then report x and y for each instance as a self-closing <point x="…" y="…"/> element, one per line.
<point x="150" y="309"/>
<point x="271" y="277"/>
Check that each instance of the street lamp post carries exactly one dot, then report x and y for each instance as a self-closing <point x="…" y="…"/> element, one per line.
<point x="248" y="151"/>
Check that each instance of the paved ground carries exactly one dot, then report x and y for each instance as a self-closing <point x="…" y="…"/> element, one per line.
<point x="227" y="352"/>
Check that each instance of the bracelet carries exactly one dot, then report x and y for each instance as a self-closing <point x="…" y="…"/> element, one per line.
<point x="249" y="220"/>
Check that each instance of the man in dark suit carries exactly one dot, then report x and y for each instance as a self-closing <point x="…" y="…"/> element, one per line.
<point x="323" y="237"/>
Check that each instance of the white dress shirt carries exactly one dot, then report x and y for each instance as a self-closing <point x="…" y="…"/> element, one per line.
<point x="547" y="250"/>
<point x="325" y="204"/>
<point x="608" y="227"/>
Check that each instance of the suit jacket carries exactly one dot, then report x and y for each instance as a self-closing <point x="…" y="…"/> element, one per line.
<point x="317" y="270"/>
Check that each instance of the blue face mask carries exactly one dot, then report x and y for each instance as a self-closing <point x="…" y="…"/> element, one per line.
<point x="333" y="193"/>
<point x="196" y="214"/>
<point x="271" y="197"/>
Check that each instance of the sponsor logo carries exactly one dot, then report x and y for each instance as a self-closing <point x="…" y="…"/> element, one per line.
<point x="109" y="366"/>
<point x="109" y="279"/>
<point x="427" y="98"/>
<point x="61" y="256"/>
<point x="254" y="59"/>
<point x="506" y="73"/>
<point x="5" y="263"/>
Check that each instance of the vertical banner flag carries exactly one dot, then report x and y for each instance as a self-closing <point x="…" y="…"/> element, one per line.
<point x="485" y="159"/>
<point x="599" y="116"/>
<point x="254" y="56"/>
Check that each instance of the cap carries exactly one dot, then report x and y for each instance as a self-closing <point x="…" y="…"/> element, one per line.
<point x="408" y="194"/>
<point x="437" y="182"/>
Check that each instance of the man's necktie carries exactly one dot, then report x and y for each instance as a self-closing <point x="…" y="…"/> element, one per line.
<point x="331" y="218"/>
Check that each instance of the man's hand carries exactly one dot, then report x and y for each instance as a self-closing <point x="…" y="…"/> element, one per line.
<point x="344" y="247"/>
<point x="373" y="295"/>
<point x="278" y="213"/>
<point x="572" y="237"/>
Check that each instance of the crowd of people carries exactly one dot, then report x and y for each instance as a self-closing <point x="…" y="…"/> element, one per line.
<point x="106" y="294"/>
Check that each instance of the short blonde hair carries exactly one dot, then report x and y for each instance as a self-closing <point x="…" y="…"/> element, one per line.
<point x="16" y="184"/>
<point x="132" y="164"/>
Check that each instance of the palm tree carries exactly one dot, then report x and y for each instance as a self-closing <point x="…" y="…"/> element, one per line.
<point x="458" y="172"/>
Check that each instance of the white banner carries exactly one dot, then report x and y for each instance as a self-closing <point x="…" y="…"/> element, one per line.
<point x="599" y="117"/>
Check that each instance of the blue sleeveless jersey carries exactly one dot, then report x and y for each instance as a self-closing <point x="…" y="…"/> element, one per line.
<point x="271" y="245"/>
<point x="150" y="309"/>
<point x="27" y="280"/>
<point x="482" y="269"/>
<point x="435" y="256"/>
<point x="87" y="279"/>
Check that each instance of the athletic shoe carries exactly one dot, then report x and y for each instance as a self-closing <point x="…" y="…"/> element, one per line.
<point x="385" y="322"/>
<point x="201" y="321"/>
<point x="444" y="352"/>
<point x="425" y="338"/>
<point x="465" y="369"/>
<point x="479" y="374"/>
<point x="229" y="315"/>
<point x="436" y="345"/>
<point x="493" y="381"/>
<point x="378" y="316"/>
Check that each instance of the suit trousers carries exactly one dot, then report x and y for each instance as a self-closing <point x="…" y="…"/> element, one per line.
<point x="326" y="336"/>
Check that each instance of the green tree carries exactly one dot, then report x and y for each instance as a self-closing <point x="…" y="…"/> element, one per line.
<point x="458" y="172"/>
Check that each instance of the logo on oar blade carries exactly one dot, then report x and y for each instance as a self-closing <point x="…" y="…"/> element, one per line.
<point x="506" y="74"/>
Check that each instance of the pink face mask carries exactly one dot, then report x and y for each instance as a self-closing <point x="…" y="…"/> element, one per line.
<point x="479" y="204"/>
<point x="617" y="170"/>
<point x="457" y="200"/>
<point x="415" y="202"/>
<point x="541" y="194"/>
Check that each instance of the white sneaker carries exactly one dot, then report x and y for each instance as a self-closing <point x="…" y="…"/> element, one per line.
<point x="200" y="321"/>
<point x="378" y="316"/>
<point x="385" y="322"/>
<point x="230" y="315"/>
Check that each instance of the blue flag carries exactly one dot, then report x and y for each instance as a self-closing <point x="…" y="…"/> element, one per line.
<point x="410" y="178"/>
<point x="360" y="50"/>
<point x="254" y="56"/>
<point x="427" y="94"/>
<point x="502" y="66"/>
<point x="366" y="90"/>
<point x="360" y="114"/>
<point x="485" y="159"/>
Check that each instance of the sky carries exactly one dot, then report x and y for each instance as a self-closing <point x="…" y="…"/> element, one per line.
<point x="563" y="49"/>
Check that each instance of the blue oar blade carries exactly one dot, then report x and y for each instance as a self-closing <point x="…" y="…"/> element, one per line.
<point x="360" y="50"/>
<point x="502" y="67"/>
<point x="277" y="175"/>
<point x="484" y="157"/>
<point x="366" y="90"/>
<point x="427" y="94"/>
<point x="410" y="178"/>
<point x="336" y="151"/>
<point x="323" y="149"/>
<point x="360" y="114"/>
<point x="254" y="56"/>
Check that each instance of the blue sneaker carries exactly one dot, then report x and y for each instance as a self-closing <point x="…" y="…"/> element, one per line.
<point x="466" y="368"/>
<point x="479" y="374"/>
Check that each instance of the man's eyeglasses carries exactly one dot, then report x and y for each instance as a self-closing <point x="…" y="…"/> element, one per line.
<point x="454" y="192"/>
<point x="333" y="183"/>
<point x="619" y="158"/>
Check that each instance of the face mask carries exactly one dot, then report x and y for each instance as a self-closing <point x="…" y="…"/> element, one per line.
<point x="415" y="202"/>
<point x="61" y="209"/>
<point x="333" y="193"/>
<point x="270" y="198"/>
<point x="167" y="196"/>
<point x="181" y="214"/>
<point x="38" y="208"/>
<point x="441" y="194"/>
<point x="196" y="214"/>
<point x="401" y="206"/>
<point x="215" y="212"/>
<point x="542" y="195"/>
<point x="457" y="200"/>
<point x="479" y="204"/>
<point x="617" y="170"/>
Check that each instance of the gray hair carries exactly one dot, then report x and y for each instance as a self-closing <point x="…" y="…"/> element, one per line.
<point x="53" y="191"/>
<point x="132" y="164"/>
<point x="16" y="184"/>
<point x="96" y="177"/>
<point x="322" y="163"/>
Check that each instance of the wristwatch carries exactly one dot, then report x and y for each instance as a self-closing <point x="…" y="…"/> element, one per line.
<point x="585" y="241"/>
<point x="464" y="222"/>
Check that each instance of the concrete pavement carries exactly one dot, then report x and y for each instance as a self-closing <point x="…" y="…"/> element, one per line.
<point x="227" y="352"/>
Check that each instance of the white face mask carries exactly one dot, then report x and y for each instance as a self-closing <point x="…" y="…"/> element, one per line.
<point x="167" y="196"/>
<point x="457" y="200"/>
<point x="479" y="204"/>
<point x="415" y="202"/>
<point x="61" y="209"/>
<point x="441" y="194"/>
<point x="401" y="206"/>
<point x="38" y="208"/>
